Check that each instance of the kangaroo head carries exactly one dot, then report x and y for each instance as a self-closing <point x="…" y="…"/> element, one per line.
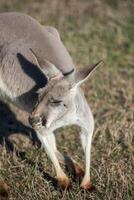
<point x="57" y="98"/>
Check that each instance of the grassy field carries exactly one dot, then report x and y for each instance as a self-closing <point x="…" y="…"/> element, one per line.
<point x="91" y="30"/>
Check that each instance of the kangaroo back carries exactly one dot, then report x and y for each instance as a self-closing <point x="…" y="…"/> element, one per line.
<point x="16" y="26"/>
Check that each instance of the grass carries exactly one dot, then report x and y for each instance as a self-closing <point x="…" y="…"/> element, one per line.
<point x="91" y="30"/>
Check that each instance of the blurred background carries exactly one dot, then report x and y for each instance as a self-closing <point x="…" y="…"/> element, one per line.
<point x="91" y="30"/>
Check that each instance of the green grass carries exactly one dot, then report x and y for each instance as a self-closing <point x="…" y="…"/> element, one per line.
<point x="91" y="30"/>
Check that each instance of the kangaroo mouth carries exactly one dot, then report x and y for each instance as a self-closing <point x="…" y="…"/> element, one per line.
<point x="37" y="121"/>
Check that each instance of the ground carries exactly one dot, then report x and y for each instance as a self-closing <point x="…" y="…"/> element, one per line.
<point x="91" y="30"/>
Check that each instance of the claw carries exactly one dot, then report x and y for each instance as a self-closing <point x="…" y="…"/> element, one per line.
<point x="64" y="183"/>
<point x="88" y="186"/>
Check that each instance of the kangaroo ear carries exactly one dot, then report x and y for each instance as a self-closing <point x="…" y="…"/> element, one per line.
<point x="82" y="75"/>
<point x="49" y="69"/>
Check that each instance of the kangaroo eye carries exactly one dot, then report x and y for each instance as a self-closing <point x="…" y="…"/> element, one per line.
<point x="54" y="101"/>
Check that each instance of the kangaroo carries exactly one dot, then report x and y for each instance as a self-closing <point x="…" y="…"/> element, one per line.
<point x="37" y="74"/>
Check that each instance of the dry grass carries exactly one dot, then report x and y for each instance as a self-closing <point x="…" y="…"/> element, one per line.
<point x="91" y="30"/>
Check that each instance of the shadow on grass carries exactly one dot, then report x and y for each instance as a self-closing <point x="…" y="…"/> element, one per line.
<point x="10" y="125"/>
<point x="69" y="167"/>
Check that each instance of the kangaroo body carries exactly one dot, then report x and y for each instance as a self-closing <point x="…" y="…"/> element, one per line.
<point x="19" y="33"/>
<point x="38" y="75"/>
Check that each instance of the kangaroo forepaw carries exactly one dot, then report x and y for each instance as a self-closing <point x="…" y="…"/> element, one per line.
<point x="35" y="121"/>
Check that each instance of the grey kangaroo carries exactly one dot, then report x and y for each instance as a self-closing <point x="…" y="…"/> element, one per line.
<point x="37" y="74"/>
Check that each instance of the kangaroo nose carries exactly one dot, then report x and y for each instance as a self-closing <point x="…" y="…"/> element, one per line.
<point x="44" y="121"/>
